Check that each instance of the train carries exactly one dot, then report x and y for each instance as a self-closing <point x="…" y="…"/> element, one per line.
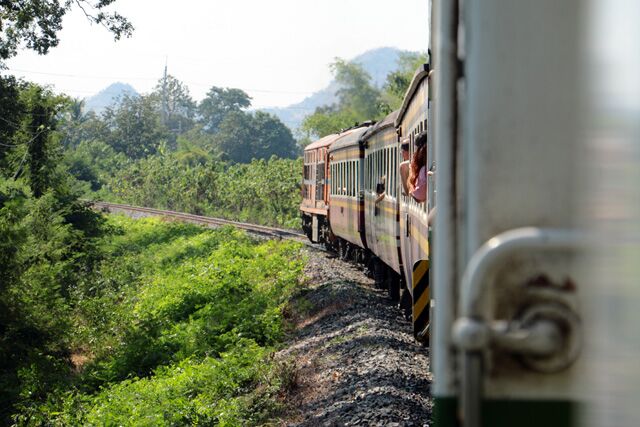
<point x="520" y="286"/>
<point x="353" y="202"/>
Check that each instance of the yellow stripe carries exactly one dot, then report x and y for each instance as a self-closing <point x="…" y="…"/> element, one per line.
<point x="419" y="273"/>
<point x="419" y="306"/>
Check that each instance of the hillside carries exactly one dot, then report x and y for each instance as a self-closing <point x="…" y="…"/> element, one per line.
<point x="377" y="62"/>
<point x="108" y="96"/>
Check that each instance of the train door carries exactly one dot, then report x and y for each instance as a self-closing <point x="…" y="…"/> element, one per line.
<point x="510" y="331"/>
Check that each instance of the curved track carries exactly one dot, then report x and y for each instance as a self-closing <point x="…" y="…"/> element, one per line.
<point x="138" y="211"/>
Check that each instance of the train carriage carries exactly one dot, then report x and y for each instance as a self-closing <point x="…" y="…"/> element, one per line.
<point x="315" y="192"/>
<point x="346" y="204"/>
<point x="414" y="228"/>
<point x="381" y="189"/>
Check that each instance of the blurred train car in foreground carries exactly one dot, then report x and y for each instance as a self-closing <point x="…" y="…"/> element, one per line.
<point x="528" y="235"/>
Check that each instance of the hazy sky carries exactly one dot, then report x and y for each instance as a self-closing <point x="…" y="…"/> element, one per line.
<point x="278" y="51"/>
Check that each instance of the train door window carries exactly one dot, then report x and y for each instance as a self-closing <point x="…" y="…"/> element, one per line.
<point x="349" y="179"/>
<point x="356" y="174"/>
<point x="386" y="168"/>
<point x="331" y="175"/>
<point x="396" y="165"/>
<point x="355" y="178"/>
<point x="352" y="179"/>
<point x="356" y="184"/>
<point x="367" y="173"/>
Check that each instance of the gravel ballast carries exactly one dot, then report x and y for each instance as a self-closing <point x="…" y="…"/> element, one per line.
<point x="356" y="360"/>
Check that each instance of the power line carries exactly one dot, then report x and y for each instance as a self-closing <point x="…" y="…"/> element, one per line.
<point x="26" y="151"/>
<point x="287" y="92"/>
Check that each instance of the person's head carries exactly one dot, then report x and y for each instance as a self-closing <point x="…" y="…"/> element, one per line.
<point x="404" y="148"/>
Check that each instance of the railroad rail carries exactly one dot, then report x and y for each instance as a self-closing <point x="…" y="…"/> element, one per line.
<point x="139" y="211"/>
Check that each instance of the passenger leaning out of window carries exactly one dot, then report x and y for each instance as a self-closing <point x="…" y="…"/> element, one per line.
<point x="414" y="173"/>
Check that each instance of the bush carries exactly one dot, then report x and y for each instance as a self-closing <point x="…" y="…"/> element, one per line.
<point x="178" y="329"/>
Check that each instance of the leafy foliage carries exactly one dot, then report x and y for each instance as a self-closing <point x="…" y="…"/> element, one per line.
<point x="171" y="98"/>
<point x="359" y="101"/>
<point x="218" y="103"/>
<point x="35" y="23"/>
<point x="177" y="324"/>
<point x="398" y="81"/>
<point x="136" y="127"/>
<point x="263" y="191"/>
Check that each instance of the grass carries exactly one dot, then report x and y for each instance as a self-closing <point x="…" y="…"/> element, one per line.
<point x="178" y="327"/>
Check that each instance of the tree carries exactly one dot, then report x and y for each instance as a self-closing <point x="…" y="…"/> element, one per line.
<point x="356" y="92"/>
<point x="135" y="127"/>
<point x="398" y="81"/>
<point x="172" y="97"/>
<point x="218" y="103"/>
<point x="272" y="137"/>
<point x="10" y="113"/>
<point x="327" y="120"/>
<point x="234" y="137"/>
<point x="35" y="23"/>
<point x="358" y="101"/>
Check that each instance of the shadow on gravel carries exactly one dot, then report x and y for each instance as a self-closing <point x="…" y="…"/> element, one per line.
<point x="357" y="361"/>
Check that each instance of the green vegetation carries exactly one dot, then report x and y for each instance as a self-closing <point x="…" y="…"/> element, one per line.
<point x="34" y="23"/>
<point x="358" y="99"/>
<point x="174" y="325"/>
<point x="119" y="322"/>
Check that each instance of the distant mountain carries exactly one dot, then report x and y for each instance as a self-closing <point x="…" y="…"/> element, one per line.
<point x="107" y="97"/>
<point x="377" y="62"/>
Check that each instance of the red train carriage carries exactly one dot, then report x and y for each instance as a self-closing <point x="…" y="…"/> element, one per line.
<point x="414" y="229"/>
<point x="315" y="194"/>
<point x="346" y="203"/>
<point x="381" y="189"/>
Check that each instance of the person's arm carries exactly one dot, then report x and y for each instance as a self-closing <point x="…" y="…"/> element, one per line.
<point x="419" y="193"/>
<point x="381" y="189"/>
<point x="432" y="216"/>
<point x="404" y="175"/>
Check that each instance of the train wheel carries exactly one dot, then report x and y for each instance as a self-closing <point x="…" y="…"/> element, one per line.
<point x="393" y="282"/>
<point x="342" y="249"/>
<point x="379" y="273"/>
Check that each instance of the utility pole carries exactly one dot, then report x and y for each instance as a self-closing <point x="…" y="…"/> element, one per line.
<point x="164" y="95"/>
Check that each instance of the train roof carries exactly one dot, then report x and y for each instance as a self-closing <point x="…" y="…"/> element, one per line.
<point x="350" y="137"/>
<point x="387" y="122"/>
<point x="322" y="142"/>
<point x="420" y="74"/>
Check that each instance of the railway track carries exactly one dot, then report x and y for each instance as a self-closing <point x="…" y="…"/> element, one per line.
<point x="139" y="211"/>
